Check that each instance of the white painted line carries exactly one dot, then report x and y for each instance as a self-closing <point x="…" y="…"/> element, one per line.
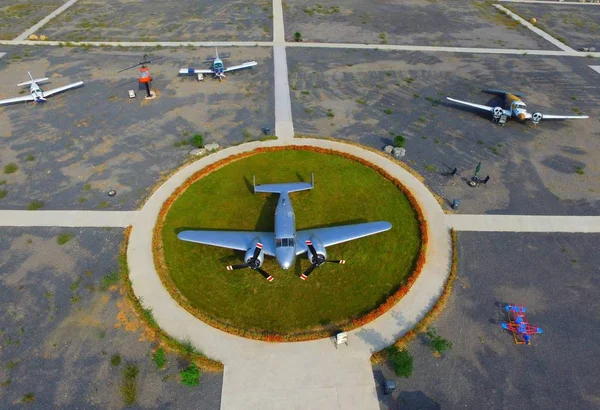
<point x="45" y="20"/>
<point x="68" y="218"/>
<point x="555" y="2"/>
<point x="284" y="126"/>
<point x="2" y="55"/>
<point x="533" y="28"/>
<point x="524" y="223"/>
<point x="596" y="68"/>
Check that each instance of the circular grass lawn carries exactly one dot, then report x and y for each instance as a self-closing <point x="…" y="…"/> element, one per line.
<point x="242" y="301"/>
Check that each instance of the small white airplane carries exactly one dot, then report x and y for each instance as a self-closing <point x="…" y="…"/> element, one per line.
<point x="217" y="69"/>
<point x="36" y="94"/>
<point x="514" y="107"/>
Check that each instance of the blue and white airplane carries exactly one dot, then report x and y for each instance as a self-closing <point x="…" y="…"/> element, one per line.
<point x="217" y="69"/>
<point x="285" y="243"/>
<point x="35" y="93"/>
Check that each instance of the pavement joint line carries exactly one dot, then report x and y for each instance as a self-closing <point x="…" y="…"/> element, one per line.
<point x="383" y="47"/>
<point x="533" y="28"/>
<point x="567" y="3"/>
<point x="45" y="20"/>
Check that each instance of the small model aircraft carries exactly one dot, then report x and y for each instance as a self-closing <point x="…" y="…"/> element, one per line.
<point x="285" y="243"/>
<point x="36" y="94"/>
<point x="144" y="73"/>
<point x="217" y="69"/>
<point x="518" y="325"/>
<point x="514" y="107"/>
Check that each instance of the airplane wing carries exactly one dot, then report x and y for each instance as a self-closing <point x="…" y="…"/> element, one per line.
<point x="239" y="240"/>
<point x="563" y="117"/>
<point x="338" y="234"/>
<point x="17" y="99"/>
<point x="239" y="67"/>
<point x="63" y="88"/>
<point x="195" y="71"/>
<point x="479" y="106"/>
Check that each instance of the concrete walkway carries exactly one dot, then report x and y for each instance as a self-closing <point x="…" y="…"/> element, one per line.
<point x="536" y="30"/>
<point x="309" y="375"/>
<point x="554" y="2"/>
<point x="45" y="20"/>
<point x="389" y="47"/>
<point x="524" y="223"/>
<point x="284" y="126"/>
<point x="68" y="218"/>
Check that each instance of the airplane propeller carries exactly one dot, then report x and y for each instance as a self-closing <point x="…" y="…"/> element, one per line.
<point x="316" y="260"/>
<point x="253" y="263"/>
<point x="144" y="62"/>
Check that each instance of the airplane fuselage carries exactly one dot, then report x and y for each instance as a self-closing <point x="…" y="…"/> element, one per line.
<point x="36" y="93"/>
<point x="285" y="232"/>
<point x="217" y="66"/>
<point x="516" y="107"/>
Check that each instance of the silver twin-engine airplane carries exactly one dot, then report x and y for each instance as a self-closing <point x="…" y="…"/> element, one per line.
<point x="217" y="69"/>
<point x="285" y="243"/>
<point x="36" y="94"/>
<point x="514" y="107"/>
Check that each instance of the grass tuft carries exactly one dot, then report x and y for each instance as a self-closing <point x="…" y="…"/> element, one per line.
<point x="159" y="358"/>
<point x="11" y="168"/>
<point x="129" y="384"/>
<point x="400" y="360"/>
<point x="35" y="205"/>
<point x="190" y="376"/>
<point x="63" y="238"/>
<point x="115" y="360"/>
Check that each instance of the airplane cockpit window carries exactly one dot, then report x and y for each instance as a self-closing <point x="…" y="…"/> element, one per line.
<point x="284" y="242"/>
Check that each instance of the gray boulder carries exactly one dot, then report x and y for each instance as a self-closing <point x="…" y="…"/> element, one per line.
<point x="388" y="149"/>
<point x="398" y="152"/>
<point x="212" y="146"/>
<point x="198" y="152"/>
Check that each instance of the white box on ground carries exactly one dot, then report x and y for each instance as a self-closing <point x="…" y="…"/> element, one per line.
<point x="131" y="94"/>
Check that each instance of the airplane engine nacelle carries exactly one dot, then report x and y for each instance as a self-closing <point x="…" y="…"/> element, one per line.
<point x="498" y="111"/>
<point x="536" y="117"/>
<point x="250" y="254"/>
<point x="318" y="247"/>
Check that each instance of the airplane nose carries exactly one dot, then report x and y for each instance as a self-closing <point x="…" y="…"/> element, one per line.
<point x="286" y="265"/>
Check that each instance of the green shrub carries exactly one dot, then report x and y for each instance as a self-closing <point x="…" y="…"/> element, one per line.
<point x="190" y="376"/>
<point x="159" y="358"/>
<point x="11" y="168"/>
<point x="399" y="140"/>
<point x="400" y="360"/>
<point x="437" y="343"/>
<point x="197" y="141"/>
<point x="297" y="36"/>
<point x="2" y="193"/>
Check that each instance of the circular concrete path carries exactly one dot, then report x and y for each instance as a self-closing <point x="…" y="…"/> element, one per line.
<point x="258" y="373"/>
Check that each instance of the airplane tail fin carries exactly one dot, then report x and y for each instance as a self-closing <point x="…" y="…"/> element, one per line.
<point x="36" y="80"/>
<point x="501" y="92"/>
<point x="284" y="188"/>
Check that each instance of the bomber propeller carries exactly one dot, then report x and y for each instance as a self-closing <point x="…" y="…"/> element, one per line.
<point x="316" y="260"/>
<point x="253" y="263"/>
